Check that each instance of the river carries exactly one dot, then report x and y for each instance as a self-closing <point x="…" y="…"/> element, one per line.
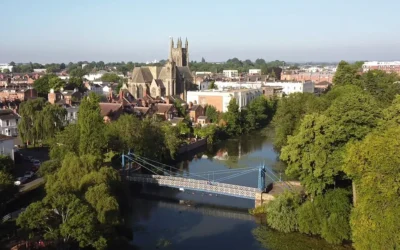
<point x="195" y="220"/>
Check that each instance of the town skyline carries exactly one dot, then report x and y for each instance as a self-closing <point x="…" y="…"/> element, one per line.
<point x="124" y="31"/>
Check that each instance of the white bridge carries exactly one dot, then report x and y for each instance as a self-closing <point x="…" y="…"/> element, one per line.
<point x="198" y="185"/>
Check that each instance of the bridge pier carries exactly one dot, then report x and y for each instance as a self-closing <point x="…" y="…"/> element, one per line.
<point x="262" y="198"/>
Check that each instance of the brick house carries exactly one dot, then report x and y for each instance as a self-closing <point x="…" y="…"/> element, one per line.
<point x="195" y="111"/>
<point x="68" y="97"/>
<point x="165" y="111"/>
<point x="111" y="111"/>
<point x="15" y="94"/>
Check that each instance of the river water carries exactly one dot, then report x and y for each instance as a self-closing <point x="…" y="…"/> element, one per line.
<point x="195" y="220"/>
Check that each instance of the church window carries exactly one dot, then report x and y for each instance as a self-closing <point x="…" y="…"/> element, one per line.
<point x="153" y="92"/>
<point x="140" y="91"/>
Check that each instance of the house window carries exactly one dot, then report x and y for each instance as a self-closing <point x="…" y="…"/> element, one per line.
<point x="7" y="123"/>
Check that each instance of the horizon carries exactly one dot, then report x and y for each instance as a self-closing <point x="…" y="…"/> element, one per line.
<point x="311" y="31"/>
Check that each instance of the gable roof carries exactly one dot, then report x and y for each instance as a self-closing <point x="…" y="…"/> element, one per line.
<point x="159" y="83"/>
<point x="107" y="109"/>
<point x="163" y="108"/>
<point x="185" y="71"/>
<point x="6" y="114"/>
<point x="142" y="75"/>
<point x="195" y="107"/>
<point x="176" y="120"/>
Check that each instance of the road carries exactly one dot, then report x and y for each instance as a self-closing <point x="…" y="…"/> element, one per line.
<point x="31" y="185"/>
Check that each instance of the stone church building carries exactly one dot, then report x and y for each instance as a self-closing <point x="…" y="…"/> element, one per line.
<point x="174" y="78"/>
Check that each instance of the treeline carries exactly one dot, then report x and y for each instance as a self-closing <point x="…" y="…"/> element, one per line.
<point x="342" y="146"/>
<point x="241" y="66"/>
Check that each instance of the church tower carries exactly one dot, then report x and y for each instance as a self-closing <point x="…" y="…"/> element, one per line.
<point x="179" y="54"/>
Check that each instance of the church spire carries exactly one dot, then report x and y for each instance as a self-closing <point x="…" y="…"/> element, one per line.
<point x="180" y="43"/>
<point x="171" y="46"/>
<point x="186" y="43"/>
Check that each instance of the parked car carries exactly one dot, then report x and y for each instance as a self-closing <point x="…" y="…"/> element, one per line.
<point x="29" y="174"/>
<point x="36" y="163"/>
<point x="20" y="180"/>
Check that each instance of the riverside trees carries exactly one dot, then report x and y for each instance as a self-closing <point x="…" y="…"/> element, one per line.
<point x="350" y="138"/>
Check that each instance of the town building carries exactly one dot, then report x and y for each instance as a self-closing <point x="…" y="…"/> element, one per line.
<point x="111" y="111"/>
<point x="68" y="97"/>
<point x="174" y="78"/>
<point x="195" y="111"/>
<point x="254" y="71"/>
<point x="12" y="94"/>
<point x="220" y="98"/>
<point x="6" y="66"/>
<point x="7" y="146"/>
<point x="95" y="75"/>
<point x="238" y="85"/>
<point x="293" y="87"/>
<point x="307" y="76"/>
<point x="231" y="73"/>
<point x="204" y="85"/>
<point x="388" y="67"/>
<point x="272" y="91"/>
<point x="9" y="122"/>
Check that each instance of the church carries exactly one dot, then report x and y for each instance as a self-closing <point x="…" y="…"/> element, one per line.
<point x="174" y="78"/>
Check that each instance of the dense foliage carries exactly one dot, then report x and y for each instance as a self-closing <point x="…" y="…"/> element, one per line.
<point x="342" y="140"/>
<point x="40" y="120"/>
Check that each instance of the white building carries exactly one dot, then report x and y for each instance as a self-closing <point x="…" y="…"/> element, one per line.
<point x="203" y="73"/>
<point x="39" y="70"/>
<point x="238" y="85"/>
<point x="385" y="66"/>
<point x="220" y="99"/>
<point x="204" y="85"/>
<point x="9" y="122"/>
<point x="4" y="66"/>
<point x="7" y="146"/>
<point x="293" y="87"/>
<point x="231" y="73"/>
<point x="95" y="76"/>
<point x="254" y="71"/>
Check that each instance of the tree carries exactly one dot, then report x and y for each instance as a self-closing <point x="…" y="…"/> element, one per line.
<point x="79" y="205"/>
<point x="381" y="85"/>
<point x="203" y="60"/>
<point x="233" y="118"/>
<point x="92" y="139"/>
<point x="6" y="163"/>
<point x="12" y="63"/>
<point x="258" y="113"/>
<point x="6" y="71"/>
<point x="281" y="212"/>
<point x="212" y="113"/>
<point x="212" y="85"/>
<point x="327" y="215"/>
<point x="346" y="74"/>
<point x="172" y="139"/>
<point x="373" y="165"/>
<point x="46" y="82"/>
<point x="110" y="77"/>
<point x="56" y="83"/>
<point x="315" y="153"/>
<point x="6" y="180"/>
<point x="40" y="120"/>
<point x="289" y="113"/>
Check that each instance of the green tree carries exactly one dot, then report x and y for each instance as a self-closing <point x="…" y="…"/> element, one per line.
<point x="290" y="111"/>
<point x="373" y="165"/>
<point x="281" y="212"/>
<point x="233" y="118"/>
<point x="258" y="113"/>
<point x="383" y="86"/>
<point x="315" y="153"/>
<point x="6" y="71"/>
<point x="212" y="113"/>
<point x="212" y="85"/>
<point x="346" y="74"/>
<point x="6" y="163"/>
<point x="39" y="120"/>
<point x="56" y="83"/>
<point x="110" y="77"/>
<point x="91" y="127"/>
<point x="46" y="82"/>
<point x="6" y="180"/>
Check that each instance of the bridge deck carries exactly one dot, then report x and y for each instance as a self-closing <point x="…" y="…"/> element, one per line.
<point x="193" y="184"/>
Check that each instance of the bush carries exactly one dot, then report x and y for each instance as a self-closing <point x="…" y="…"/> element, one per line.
<point x="281" y="212"/>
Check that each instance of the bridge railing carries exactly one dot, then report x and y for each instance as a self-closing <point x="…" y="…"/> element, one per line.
<point x="222" y="188"/>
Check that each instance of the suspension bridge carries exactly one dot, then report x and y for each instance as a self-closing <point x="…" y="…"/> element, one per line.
<point x="165" y="175"/>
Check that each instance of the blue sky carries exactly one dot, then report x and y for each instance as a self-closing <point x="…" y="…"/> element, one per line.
<point x="131" y="30"/>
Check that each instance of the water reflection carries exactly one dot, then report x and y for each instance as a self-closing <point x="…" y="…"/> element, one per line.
<point x="213" y="226"/>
